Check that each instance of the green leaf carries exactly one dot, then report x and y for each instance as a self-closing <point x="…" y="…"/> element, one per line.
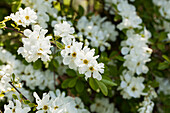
<point x="71" y="72"/>
<point x="81" y="10"/>
<point x="72" y="82"/>
<point x="163" y="65"/>
<point x="103" y="87"/>
<point x="166" y="58"/>
<point x="31" y="104"/>
<point x="55" y="63"/>
<point x="79" y="86"/>
<point x="37" y="64"/>
<point x="65" y="83"/>
<point x="120" y="58"/>
<point x="34" y="109"/>
<point x="13" y="77"/>
<point x="59" y="45"/>
<point x="108" y="82"/>
<point x="2" y="25"/>
<point x="14" y="96"/>
<point x="21" y="96"/>
<point x="161" y="46"/>
<point x="26" y="101"/>
<point x="93" y="84"/>
<point x="16" y="5"/>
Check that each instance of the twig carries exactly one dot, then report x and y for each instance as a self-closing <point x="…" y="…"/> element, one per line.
<point x="15" y="30"/>
<point x="54" y="71"/>
<point x="17" y="90"/>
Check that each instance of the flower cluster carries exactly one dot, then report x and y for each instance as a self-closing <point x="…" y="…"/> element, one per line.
<point x="4" y="79"/>
<point x="33" y="78"/>
<point x="97" y="30"/>
<point x="165" y="13"/>
<point x="24" y="17"/>
<point x="59" y="103"/>
<point x="43" y="8"/>
<point x="131" y="86"/>
<point x="147" y="106"/>
<point x="136" y="51"/>
<point x="36" y="45"/>
<point x="77" y="57"/>
<point x="102" y="105"/>
<point x="129" y="16"/>
<point x="18" y="108"/>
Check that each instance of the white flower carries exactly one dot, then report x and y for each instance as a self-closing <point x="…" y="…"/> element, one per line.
<point x="43" y="104"/>
<point x="71" y="54"/>
<point x="63" y="29"/>
<point x="131" y="86"/>
<point x="94" y="70"/>
<point x="135" y="87"/>
<point x="146" y="106"/>
<point x="10" y="108"/>
<point x="102" y="105"/>
<point x="36" y="45"/>
<point x="24" y="17"/>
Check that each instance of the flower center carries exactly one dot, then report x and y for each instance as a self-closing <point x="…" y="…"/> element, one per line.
<point x="91" y="68"/>
<point x="13" y="110"/>
<point x="45" y="107"/>
<point x="19" y="21"/>
<point x="74" y="54"/>
<point x="90" y="34"/>
<point x="77" y="106"/>
<point x="82" y="30"/>
<point x="27" y="17"/>
<point x="85" y="61"/>
<point x="134" y="89"/>
<point x="56" y="107"/>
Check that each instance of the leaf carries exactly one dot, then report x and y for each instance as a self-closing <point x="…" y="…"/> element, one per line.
<point x="26" y="101"/>
<point x="65" y="83"/>
<point x="93" y="84"/>
<point x="79" y="86"/>
<point x="81" y="11"/>
<point x="2" y="25"/>
<point x="166" y="58"/>
<point x="59" y="45"/>
<point x="55" y="63"/>
<point x="72" y="82"/>
<point x="13" y="77"/>
<point x="163" y="65"/>
<point x="120" y="58"/>
<point x="21" y="96"/>
<point x="37" y="64"/>
<point x="71" y="72"/>
<point x="14" y="96"/>
<point x="108" y="82"/>
<point x="103" y="87"/>
<point x="31" y="104"/>
<point x="16" y="5"/>
<point x="161" y="46"/>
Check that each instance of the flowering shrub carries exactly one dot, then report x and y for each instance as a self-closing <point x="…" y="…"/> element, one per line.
<point x="77" y="56"/>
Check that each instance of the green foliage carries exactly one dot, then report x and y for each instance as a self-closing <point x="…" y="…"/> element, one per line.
<point x="71" y="72"/>
<point x="14" y="96"/>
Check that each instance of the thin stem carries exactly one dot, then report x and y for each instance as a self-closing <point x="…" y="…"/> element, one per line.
<point x="54" y="70"/>
<point x="17" y="90"/>
<point x="15" y="30"/>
